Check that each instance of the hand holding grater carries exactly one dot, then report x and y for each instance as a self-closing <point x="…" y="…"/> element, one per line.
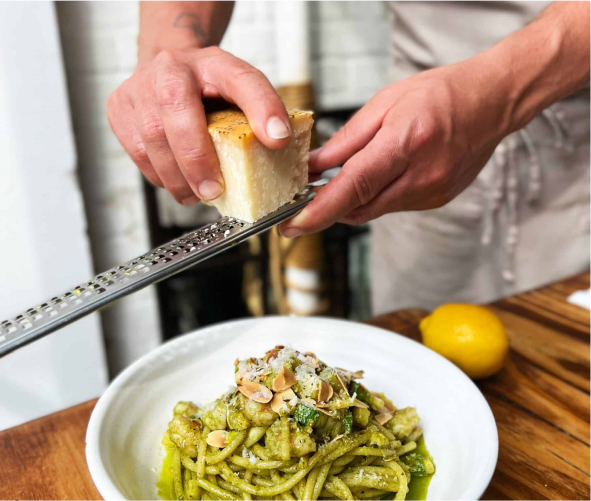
<point x="158" y="264"/>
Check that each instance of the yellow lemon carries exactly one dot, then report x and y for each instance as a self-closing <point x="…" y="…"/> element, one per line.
<point x="470" y="336"/>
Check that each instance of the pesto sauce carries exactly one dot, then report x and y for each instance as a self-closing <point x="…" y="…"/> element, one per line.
<point x="418" y="485"/>
<point x="166" y="483"/>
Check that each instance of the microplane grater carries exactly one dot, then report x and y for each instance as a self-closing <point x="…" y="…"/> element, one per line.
<point x="154" y="266"/>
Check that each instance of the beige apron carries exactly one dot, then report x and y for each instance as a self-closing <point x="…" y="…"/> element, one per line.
<point x="524" y="221"/>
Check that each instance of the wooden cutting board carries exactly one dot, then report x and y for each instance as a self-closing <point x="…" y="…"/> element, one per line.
<point x="540" y="401"/>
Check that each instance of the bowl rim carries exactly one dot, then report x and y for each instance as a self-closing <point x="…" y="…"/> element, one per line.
<point x="106" y="486"/>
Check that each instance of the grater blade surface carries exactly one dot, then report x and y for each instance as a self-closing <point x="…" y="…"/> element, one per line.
<point x="154" y="266"/>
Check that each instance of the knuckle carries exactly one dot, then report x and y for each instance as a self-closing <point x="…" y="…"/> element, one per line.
<point x="140" y="155"/>
<point x="153" y="131"/>
<point x="425" y="130"/>
<point x="213" y="50"/>
<point x="357" y="218"/>
<point x="174" y="95"/>
<point x="113" y="104"/>
<point x="164" y="56"/>
<point x="194" y="156"/>
<point x="247" y="71"/>
<point x="362" y="187"/>
<point x="440" y="178"/>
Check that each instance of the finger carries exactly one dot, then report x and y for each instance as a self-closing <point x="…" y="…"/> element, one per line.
<point x="120" y="114"/>
<point x="151" y="129"/>
<point x="248" y="88"/>
<point x="388" y="200"/>
<point x="359" y="181"/>
<point x="183" y="117"/>
<point x="400" y="195"/>
<point x="353" y="136"/>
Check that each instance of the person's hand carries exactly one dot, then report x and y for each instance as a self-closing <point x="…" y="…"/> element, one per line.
<point x="157" y="114"/>
<point x="415" y="145"/>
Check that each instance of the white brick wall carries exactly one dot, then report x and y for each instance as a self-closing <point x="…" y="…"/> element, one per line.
<point x="349" y="47"/>
<point x="349" y="57"/>
<point x="99" y="44"/>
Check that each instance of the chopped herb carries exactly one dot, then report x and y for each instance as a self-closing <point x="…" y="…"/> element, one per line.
<point x="362" y="393"/>
<point x="418" y="464"/>
<point x="305" y="415"/>
<point x="348" y="423"/>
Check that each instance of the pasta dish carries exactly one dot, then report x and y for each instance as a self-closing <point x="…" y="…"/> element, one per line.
<point x="293" y="428"/>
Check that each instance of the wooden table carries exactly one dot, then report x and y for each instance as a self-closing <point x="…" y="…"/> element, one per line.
<point x="540" y="401"/>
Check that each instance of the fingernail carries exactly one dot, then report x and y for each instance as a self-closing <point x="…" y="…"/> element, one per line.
<point x="291" y="232"/>
<point x="298" y="220"/>
<point x="276" y="129"/>
<point x="314" y="154"/>
<point x="192" y="200"/>
<point x="208" y="190"/>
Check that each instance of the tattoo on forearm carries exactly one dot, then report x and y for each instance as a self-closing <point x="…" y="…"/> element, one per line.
<point x="190" y="21"/>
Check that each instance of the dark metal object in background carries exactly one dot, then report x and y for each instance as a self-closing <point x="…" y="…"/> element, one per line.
<point x="212" y="291"/>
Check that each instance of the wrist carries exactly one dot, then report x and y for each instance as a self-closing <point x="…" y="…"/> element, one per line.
<point x="538" y="65"/>
<point x="149" y="46"/>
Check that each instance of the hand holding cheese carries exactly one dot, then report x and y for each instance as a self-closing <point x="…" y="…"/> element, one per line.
<point x="420" y="141"/>
<point x="158" y="116"/>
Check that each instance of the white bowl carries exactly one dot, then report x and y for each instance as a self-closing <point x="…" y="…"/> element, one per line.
<point x="123" y="439"/>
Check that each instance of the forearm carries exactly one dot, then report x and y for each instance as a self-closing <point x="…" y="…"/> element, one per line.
<point x="539" y="64"/>
<point x="180" y="25"/>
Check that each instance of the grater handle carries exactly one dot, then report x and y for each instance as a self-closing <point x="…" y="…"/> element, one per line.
<point x="154" y="266"/>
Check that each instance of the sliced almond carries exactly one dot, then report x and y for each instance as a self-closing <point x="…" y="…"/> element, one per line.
<point x="350" y="375"/>
<point x="342" y="383"/>
<point x="217" y="438"/>
<point x="255" y="391"/>
<point x="284" y="380"/>
<point x="280" y="398"/>
<point x="325" y="392"/>
<point x="318" y="406"/>
<point x="359" y="403"/>
<point x="338" y="437"/>
<point x="384" y="417"/>
<point x="309" y="402"/>
<point x="324" y="411"/>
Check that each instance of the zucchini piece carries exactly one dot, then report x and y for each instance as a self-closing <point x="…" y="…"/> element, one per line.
<point x="305" y="415"/>
<point x="361" y="392"/>
<point x="348" y="423"/>
<point x="418" y="464"/>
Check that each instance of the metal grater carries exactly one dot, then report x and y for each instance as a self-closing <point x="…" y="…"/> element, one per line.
<point x="160" y="263"/>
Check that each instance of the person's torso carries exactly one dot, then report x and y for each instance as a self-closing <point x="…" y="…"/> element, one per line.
<point x="430" y="34"/>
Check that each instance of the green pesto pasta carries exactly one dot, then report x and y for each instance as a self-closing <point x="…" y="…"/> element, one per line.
<point x="294" y="428"/>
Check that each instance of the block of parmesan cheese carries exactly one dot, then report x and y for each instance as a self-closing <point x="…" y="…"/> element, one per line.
<point x="258" y="180"/>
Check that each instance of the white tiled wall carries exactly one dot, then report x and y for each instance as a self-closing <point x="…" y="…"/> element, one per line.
<point x="349" y="58"/>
